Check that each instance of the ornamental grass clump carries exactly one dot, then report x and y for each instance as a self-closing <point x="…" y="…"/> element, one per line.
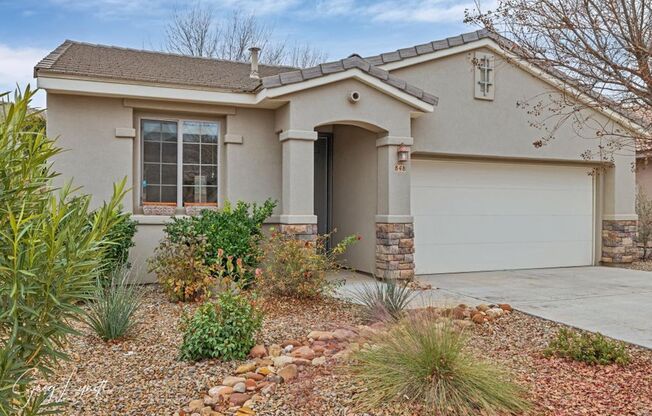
<point x="422" y="361"/>
<point x="383" y="301"/>
<point x="111" y="312"/>
<point x="587" y="347"/>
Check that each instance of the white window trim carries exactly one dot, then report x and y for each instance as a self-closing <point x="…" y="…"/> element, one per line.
<point x="490" y="72"/>
<point x="179" y="121"/>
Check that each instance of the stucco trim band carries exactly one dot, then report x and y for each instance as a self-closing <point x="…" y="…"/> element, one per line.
<point x="297" y="219"/>
<point x="230" y="138"/>
<point x="394" y="219"/>
<point x="394" y="141"/>
<point x="620" y="217"/>
<point x="125" y="132"/>
<point x="297" y="135"/>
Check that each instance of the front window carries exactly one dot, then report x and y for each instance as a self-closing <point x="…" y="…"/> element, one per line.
<point x="179" y="161"/>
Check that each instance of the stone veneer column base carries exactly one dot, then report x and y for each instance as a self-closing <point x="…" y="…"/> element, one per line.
<point x="395" y="251"/>
<point x="618" y="241"/>
<point x="300" y="231"/>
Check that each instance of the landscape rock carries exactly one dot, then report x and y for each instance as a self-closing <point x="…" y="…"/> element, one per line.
<point x="321" y="335"/>
<point x="275" y="350"/>
<point x="265" y="371"/>
<point x="282" y="361"/>
<point x="245" y="368"/>
<point x="232" y="381"/>
<point x="259" y="351"/>
<point x="319" y="361"/>
<point x="238" y="399"/>
<point x="240" y="387"/>
<point x="478" y="318"/>
<point x="196" y="405"/>
<point x="288" y="372"/>
<point x="303" y="352"/>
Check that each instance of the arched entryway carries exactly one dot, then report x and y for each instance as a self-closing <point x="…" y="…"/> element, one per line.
<point x="345" y="188"/>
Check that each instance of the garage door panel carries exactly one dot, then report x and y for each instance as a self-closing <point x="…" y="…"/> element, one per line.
<point x="480" y="257"/>
<point x="473" y="216"/>
<point x="464" y="201"/>
<point x="499" y="229"/>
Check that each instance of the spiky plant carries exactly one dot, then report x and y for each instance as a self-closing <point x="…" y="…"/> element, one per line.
<point x="50" y="255"/>
<point x="422" y="361"/>
<point x="111" y="313"/>
<point x="383" y="301"/>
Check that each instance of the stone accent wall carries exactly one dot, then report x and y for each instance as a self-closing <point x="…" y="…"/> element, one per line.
<point x="618" y="241"/>
<point x="300" y="231"/>
<point x="394" y="251"/>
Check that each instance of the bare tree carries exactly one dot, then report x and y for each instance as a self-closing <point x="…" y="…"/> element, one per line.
<point x="196" y="31"/>
<point x="601" y="48"/>
<point x="193" y="32"/>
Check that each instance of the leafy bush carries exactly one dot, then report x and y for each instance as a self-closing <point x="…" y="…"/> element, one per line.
<point x="225" y="329"/>
<point x="423" y="362"/>
<point x="298" y="268"/>
<point x="181" y="270"/>
<point x="50" y="256"/>
<point x="111" y="312"/>
<point x="383" y="301"/>
<point x="237" y="230"/>
<point x="587" y="347"/>
<point x="120" y="239"/>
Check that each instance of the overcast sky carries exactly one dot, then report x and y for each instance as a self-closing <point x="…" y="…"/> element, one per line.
<point x="29" y="29"/>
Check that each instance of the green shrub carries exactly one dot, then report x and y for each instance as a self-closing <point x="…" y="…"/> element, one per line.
<point x="237" y="230"/>
<point x="111" y="312"/>
<point x="225" y="329"/>
<point x="383" y="301"/>
<point x="423" y="361"/>
<point x="298" y="268"/>
<point x="120" y="239"/>
<point x="50" y="256"/>
<point x="183" y="274"/>
<point x="587" y="347"/>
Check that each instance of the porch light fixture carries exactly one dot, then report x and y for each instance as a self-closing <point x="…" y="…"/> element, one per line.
<point x="403" y="153"/>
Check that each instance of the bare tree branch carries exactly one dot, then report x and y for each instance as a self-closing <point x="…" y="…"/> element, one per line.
<point x="195" y="31"/>
<point x="603" y="48"/>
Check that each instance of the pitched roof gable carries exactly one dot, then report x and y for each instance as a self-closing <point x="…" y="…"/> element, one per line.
<point x="352" y="62"/>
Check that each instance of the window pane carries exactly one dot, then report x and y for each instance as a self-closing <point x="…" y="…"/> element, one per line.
<point x="189" y="174"/>
<point x="191" y="153"/>
<point x="168" y="194"/>
<point x="191" y="131"/>
<point x="169" y="131"/>
<point x="169" y="174"/>
<point x="152" y="193"/>
<point x="211" y="194"/>
<point x="189" y="194"/>
<point x="152" y="152"/>
<point x="152" y="173"/>
<point x="210" y="173"/>
<point x="151" y="130"/>
<point x="169" y="152"/>
<point x="208" y="154"/>
<point x="209" y="133"/>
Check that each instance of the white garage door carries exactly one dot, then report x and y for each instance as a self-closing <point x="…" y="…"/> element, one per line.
<point x="471" y="216"/>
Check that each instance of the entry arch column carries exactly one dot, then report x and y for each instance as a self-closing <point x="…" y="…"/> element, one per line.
<point x="394" y="221"/>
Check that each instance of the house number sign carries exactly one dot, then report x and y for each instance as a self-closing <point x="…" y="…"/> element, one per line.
<point x="399" y="167"/>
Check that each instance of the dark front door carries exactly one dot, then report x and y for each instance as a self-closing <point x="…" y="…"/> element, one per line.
<point x="323" y="163"/>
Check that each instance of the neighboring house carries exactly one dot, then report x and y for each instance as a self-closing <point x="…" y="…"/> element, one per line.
<point x="331" y="144"/>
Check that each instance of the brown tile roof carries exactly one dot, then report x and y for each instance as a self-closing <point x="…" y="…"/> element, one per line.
<point x="110" y="62"/>
<point x="430" y="47"/>
<point x="353" y="61"/>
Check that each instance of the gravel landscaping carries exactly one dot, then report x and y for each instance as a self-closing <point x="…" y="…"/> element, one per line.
<point x="644" y="265"/>
<point x="141" y="375"/>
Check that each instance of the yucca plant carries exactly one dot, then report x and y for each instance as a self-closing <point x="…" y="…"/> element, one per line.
<point x="111" y="312"/>
<point x="383" y="301"/>
<point x="50" y="255"/>
<point x="422" y="361"/>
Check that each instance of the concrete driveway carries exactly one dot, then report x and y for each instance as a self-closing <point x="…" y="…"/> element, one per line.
<point x="616" y="302"/>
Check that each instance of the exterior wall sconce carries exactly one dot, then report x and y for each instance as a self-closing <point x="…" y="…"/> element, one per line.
<point x="403" y="153"/>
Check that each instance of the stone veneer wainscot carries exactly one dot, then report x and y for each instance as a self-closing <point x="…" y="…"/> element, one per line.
<point x="395" y="250"/>
<point x="619" y="241"/>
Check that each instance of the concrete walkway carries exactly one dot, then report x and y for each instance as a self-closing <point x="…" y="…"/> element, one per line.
<point x="616" y="302"/>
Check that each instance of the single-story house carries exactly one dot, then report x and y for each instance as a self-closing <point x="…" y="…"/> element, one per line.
<point x="421" y="151"/>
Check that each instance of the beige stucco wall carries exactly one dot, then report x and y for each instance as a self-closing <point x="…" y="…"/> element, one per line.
<point x="93" y="156"/>
<point x="644" y="176"/>
<point x="329" y="105"/>
<point x="464" y="126"/>
<point x="354" y="193"/>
